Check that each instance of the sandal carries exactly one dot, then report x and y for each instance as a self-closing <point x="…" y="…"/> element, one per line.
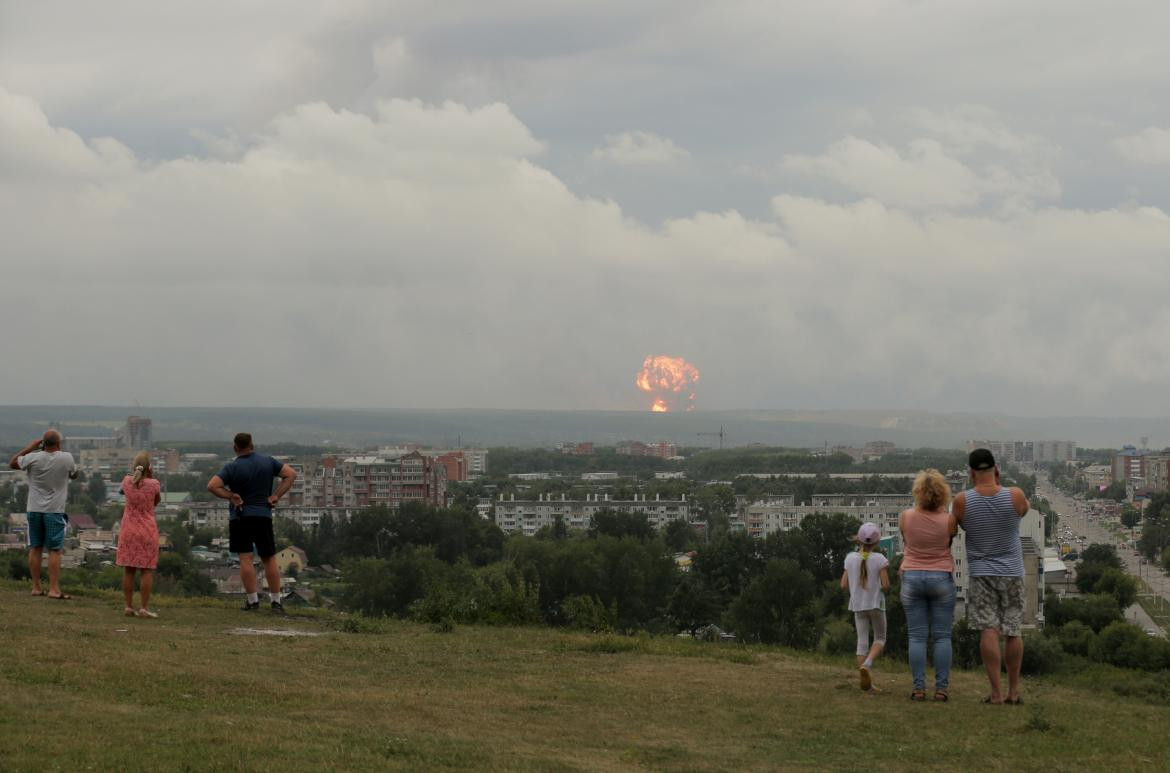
<point x="37" y="593"/>
<point x="1017" y="702"/>
<point x="988" y="700"/>
<point x="918" y="695"/>
<point x="147" y="613"/>
<point x="941" y="696"/>
<point x="866" y="678"/>
<point x="62" y="597"/>
<point x="129" y="612"/>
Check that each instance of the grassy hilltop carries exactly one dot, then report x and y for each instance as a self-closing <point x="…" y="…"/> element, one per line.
<point x="84" y="688"/>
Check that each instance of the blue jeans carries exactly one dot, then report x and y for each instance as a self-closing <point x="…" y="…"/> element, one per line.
<point x="929" y="599"/>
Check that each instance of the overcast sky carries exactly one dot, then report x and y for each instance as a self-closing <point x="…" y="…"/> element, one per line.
<point x="506" y="204"/>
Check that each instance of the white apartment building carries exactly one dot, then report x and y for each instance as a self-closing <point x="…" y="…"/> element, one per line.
<point x="781" y="513"/>
<point x="527" y="516"/>
<point x="1028" y="451"/>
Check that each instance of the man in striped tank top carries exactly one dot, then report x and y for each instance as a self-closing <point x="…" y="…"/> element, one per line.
<point x="990" y="514"/>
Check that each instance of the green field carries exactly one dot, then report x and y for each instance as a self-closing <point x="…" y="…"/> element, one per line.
<point x="86" y="689"/>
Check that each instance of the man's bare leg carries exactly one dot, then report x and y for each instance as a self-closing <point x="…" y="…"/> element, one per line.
<point x="34" y="568"/>
<point x="54" y="572"/>
<point x="989" y="650"/>
<point x="247" y="573"/>
<point x="1014" y="658"/>
<point x="272" y="575"/>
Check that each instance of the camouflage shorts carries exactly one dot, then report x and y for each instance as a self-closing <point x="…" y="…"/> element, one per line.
<point x="996" y="602"/>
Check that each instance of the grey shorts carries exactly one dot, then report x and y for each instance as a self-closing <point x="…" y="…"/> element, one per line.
<point x="996" y="602"/>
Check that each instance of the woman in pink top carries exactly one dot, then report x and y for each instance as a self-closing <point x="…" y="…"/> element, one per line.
<point x="138" y="539"/>
<point x="928" y="580"/>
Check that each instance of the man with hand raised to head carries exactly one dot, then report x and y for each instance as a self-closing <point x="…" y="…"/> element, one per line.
<point x="990" y="514"/>
<point x="49" y="471"/>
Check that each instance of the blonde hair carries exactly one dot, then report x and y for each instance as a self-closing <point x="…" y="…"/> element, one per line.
<point x="866" y="551"/>
<point x="931" y="491"/>
<point x="141" y="466"/>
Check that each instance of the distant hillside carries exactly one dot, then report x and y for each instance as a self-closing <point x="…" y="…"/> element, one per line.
<point x="194" y="691"/>
<point x="541" y="428"/>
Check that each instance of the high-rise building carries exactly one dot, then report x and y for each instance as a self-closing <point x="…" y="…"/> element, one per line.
<point x="1028" y="451"/>
<point x="137" y="434"/>
<point x="365" y="481"/>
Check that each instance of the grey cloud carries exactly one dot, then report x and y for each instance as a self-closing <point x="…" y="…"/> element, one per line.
<point x="362" y="204"/>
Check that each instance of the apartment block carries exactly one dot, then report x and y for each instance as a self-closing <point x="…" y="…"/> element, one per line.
<point x="781" y="513"/>
<point x="527" y="516"/>
<point x="1028" y="451"/>
<point x="366" y="481"/>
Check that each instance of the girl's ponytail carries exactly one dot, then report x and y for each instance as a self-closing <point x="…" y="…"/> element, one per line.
<point x="864" y="566"/>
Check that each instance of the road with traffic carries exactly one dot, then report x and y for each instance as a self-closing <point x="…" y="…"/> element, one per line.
<point x="1074" y="515"/>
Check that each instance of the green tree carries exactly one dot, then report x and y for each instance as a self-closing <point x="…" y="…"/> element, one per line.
<point x="692" y="604"/>
<point x="777" y="607"/>
<point x="615" y="524"/>
<point x="680" y="535"/>
<point x="1105" y="555"/>
<point x="828" y="542"/>
<point x="96" y="489"/>
<point x="1130" y="516"/>
<point x="1120" y="585"/>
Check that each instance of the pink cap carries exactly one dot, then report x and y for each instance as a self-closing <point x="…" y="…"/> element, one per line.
<point x="869" y="534"/>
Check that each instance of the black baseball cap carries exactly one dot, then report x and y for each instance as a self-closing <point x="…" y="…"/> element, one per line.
<point x="981" y="459"/>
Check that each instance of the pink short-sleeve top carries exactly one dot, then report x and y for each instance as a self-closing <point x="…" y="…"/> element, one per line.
<point x="928" y="541"/>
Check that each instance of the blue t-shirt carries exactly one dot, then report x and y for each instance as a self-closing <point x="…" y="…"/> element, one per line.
<point x="251" y="476"/>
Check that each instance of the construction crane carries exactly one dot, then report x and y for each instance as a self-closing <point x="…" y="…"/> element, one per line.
<point x="718" y="434"/>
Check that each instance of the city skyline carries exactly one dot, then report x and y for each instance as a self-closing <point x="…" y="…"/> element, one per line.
<point x="838" y="206"/>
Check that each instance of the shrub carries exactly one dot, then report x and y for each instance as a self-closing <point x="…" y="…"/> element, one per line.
<point x="1096" y="611"/>
<point x="1128" y="646"/>
<point x="839" y="638"/>
<point x="1042" y="654"/>
<point x="965" y="645"/>
<point x="496" y="594"/>
<point x="588" y="614"/>
<point x="14" y="565"/>
<point x="1075" y="637"/>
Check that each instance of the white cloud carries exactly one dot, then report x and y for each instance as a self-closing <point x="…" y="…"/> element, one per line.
<point x="638" y="148"/>
<point x="923" y="178"/>
<point x="1149" y="146"/>
<point x="419" y="256"/>
<point x="926" y="177"/>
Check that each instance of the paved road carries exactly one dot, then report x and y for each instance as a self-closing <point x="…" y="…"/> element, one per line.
<point x="1073" y="515"/>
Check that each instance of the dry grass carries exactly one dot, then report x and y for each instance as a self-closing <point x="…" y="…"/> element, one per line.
<point x="181" y="693"/>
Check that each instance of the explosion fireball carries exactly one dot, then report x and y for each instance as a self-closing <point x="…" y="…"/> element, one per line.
<point x="671" y="380"/>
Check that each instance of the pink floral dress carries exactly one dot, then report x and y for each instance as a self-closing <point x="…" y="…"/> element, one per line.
<point x="138" y="540"/>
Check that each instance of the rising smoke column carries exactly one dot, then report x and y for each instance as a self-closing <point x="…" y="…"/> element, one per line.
<point x="671" y="381"/>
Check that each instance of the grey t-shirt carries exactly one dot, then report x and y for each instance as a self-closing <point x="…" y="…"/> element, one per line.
<point x="48" y="480"/>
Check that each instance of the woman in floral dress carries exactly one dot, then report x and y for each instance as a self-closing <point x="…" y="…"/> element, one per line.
<point x="138" y="540"/>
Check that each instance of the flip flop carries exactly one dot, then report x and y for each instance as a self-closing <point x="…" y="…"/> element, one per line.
<point x="37" y="593"/>
<point x="918" y="695"/>
<point x="989" y="701"/>
<point x="866" y="678"/>
<point x="941" y="696"/>
<point x="1017" y="702"/>
<point x="62" y="597"/>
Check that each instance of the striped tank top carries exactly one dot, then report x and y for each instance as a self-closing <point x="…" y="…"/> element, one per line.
<point x="993" y="535"/>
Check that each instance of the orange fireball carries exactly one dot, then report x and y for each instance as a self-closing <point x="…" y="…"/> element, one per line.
<point x="671" y="380"/>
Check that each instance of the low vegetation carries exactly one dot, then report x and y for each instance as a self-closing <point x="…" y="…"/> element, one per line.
<point x="186" y="692"/>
